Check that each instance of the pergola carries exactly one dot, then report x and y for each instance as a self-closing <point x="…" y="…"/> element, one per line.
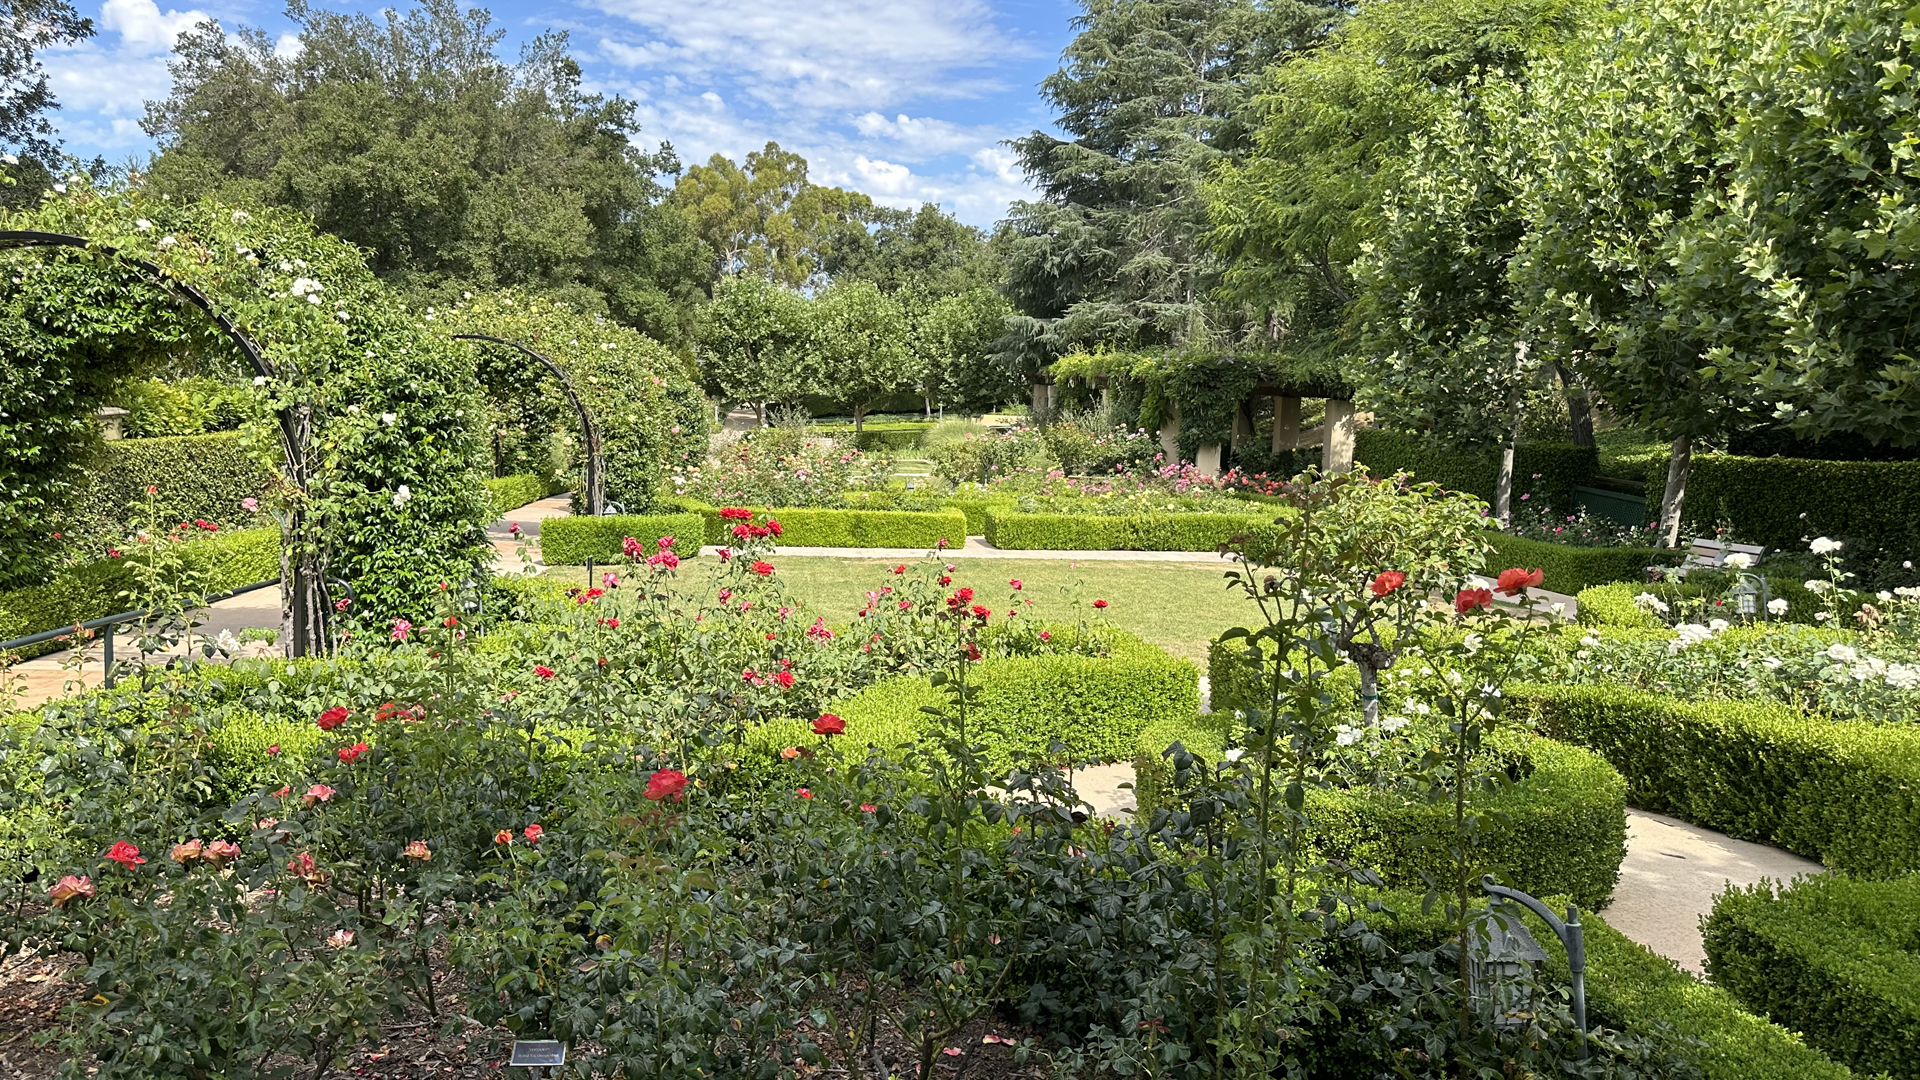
<point x="1334" y="435"/>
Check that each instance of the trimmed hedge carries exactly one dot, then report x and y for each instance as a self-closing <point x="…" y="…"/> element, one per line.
<point x="1570" y="569"/>
<point x="509" y="493"/>
<point x="812" y="527"/>
<point x="892" y="435"/>
<point x="91" y="590"/>
<point x="1560" y="831"/>
<point x="1846" y="794"/>
<point x="976" y="510"/>
<point x="196" y="477"/>
<point x="1833" y="958"/>
<point x="1095" y="705"/>
<point x="1612" y="605"/>
<point x="571" y="541"/>
<point x="1560" y="465"/>
<point x="1777" y="501"/>
<point x="1012" y="530"/>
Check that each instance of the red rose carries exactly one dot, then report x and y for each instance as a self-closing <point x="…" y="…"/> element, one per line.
<point x="762" y="568"/>
<point x="736" y="513"/>
<point x="803" y="793"/>
<point x="1515" y="581"/>
<point x="901" y="569"/>
<point x="774" y="527"/>
<point x="334" y="717"/>
<point x="982" y="610"/>
<point x="1101" y="604"/>
<point x="829" y="724"/>
<point x="1469" y="599"/>
<point x="543" y="671"/>
<point x="351" y="754"/>
<point x="784" y="678"/>
<point x="667" y="783"/>
<point x="125" y="854"/>
<point x="868" y="808"/>
<point x="534" y="833"/>
<point x="971" y="652"/>
<point x="1388" y="581"/>
<point x="1017" y="586"/>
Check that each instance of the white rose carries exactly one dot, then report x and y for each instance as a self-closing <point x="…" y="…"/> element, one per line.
<point x="389" y="419"/>
<point x="1823" y="546"/>
<point x="142" y="225"/>
<point x="1739" y="560"/>
<point x="1777" y="607"/>
<point x="1845" y="654"/>
<point x="401" y="495"/>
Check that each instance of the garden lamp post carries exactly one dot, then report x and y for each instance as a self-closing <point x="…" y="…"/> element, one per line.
<point x="1750" y="593"/>
<point x="1516" y="946"/>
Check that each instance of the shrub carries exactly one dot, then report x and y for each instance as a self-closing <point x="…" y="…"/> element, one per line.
<point x="1613" y="605"/>
<point x="1846" y="794"/>
<point x="1095" y="706"/>
<point x="1830" y="957"/>
<point x="1570" y="569"/>
<point x="809" y="527"/>
<point x="1781" y="501"/>
<point x="975" y="507"/>
<point x="1014" y="530"/>
<point x="91" y="590"/>
<point x="1559" y="465"/>
<point x="196" y="477"/>
<point x="893" y="435"/>
<point x="1561" y="830"/>
<point x="571" y="541"/>
<point x="507" y="493"/>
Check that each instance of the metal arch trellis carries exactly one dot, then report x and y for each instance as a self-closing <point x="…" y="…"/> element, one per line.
<point x="304" y="604"/>
<point x="596" y="494"/>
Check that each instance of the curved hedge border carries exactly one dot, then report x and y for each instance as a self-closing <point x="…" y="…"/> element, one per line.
<point x="1833" y="958"/>
<point x="230" y="560"/>
<point x="510" y="493"/>
<point x="571" y="541"/>
<point x="1846" y="794"/>
<point x="1561" y="831"/>
<point x="1012" y="530"/>
<point x="1096" y="706"/>
<point x="1570" y="569"/>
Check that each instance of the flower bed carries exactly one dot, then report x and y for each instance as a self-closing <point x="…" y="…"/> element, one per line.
<point x="571" y="541"/>
<point x="1834" y="958"/>
<point x="1845" y="794"/>
<point x="1014" y="530"/>
<point x="1560" y="830"/>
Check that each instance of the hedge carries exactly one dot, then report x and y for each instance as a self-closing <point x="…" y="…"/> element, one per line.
<point x="509" y="493"/>
<point x="1845" y="794"/>
<point x="976" y="508"/>
<point x="1559" y="465"/>
<point x="196" y="477"/>
<point x="1560" y="831"/>
<point x="1013" y="530"/>
<point x="1613" y="605"/>
<point x="1836" y="959"/>
<point x="1096" y="706"/>
<point x="892" y="435"/>
<point x="571" y="541"/>
<point x="91" y="590"/>
<point x="1780" y="501"/>
<point x="1570" y="569"/>
<point x="812" y="527"/>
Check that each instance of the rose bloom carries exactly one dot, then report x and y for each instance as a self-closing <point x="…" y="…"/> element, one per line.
<point x="667" y="783"/>
<point x="318" y="793"/>
<point x="784" y="678"/>
<point x="971" y="652"/>
<point x="221" y="851"/>
<point x="1515" y="581"/>
<point x="803" y="793"/>
<point x="1100" y="604"/>
<point x="543" y="671"/>
<point x="340" y="939"/>
<point x="790" y="753"/>
<point x="762" y="568"/>
<point x="1017" y="586"/>
<point x="301" y="866"/>
<point x="534" y="832"/>
<point x="504" y="836"/>
<point x="274" y="750"/>
<point x="334" y="717"/>
<point x="1469" y="599"/>
<point x="351" y="754"/>
<point x="187" y="852"/>
<point x="69" y="888"/>
<point x="418" y="849"/>
<point x="1387" y="582"/>
<point x="125" y="854"/>
<point x="868" y="808"/>
<point x="901" y="569"/>
<point x="829" y="724"/>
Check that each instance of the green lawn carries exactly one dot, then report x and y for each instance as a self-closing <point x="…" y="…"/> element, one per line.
<point x="1177" y="606"/>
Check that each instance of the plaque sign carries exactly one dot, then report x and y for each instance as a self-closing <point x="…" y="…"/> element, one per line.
<point x="538" y="1054"/>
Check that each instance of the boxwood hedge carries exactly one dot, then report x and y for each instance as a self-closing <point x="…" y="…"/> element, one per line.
<point x="509" y="493"/>
<point x="570" y="541"/>
<point x="1558" y="465"/>
<point x="813" y="527"/>
<point x="1831" y="957"/>
<point x="1781" y="501"/>
<point x="1613" y="605"/>
<point x="1561" y="830"/>
<point x="1013" y="530"/>
<point x="1846" y="794"/>
<point x="195" y="477"/>
<point x="1570" y="569"/>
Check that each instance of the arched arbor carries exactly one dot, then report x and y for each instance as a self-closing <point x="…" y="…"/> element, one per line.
<point x="594" y="499"/>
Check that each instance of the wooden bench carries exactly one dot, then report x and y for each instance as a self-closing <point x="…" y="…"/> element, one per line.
<point x="1704" y="554"/>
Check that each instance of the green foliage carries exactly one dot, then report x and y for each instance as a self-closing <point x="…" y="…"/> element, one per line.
<point x="90" y="590"/>
<point x="1569" y="569"/>
<point x="1783" y="502"/>
<point x="650" y="416"/>
<point x="1013" y="529"/>
<point x="1844" y="793"/>
<point x="754" y="341"/>
<point x="571" y="541"/>
<point x="857" y="346"/>
<point x="1560" y="830"/>
<point x="975" y="507"/>
<point x="815" y="527"/>
<point x="509" y="493"/>
<point x="197" y="477"/>
<point x="1547" y="470"/>
<point x="892" y="435"/>
<point x="458" y="172"/>
<point x="762" y="218"/>
<point x="954" y="339"/>
<point x="1831" y="957"/>
<point x="1613" y="605"/>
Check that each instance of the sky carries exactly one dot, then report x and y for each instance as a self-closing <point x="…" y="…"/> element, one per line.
<point x="907" y="100"/>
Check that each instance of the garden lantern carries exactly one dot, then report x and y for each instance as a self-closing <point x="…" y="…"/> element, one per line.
<point x="1750" y="592"/>
<point x="1572" y="936"/>
<point x="1504" y="958"/>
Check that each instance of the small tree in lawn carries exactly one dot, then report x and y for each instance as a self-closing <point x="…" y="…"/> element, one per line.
<point x="953" y="345"/>
<point x="859" y="347"/>
<point x="755" y="342"/>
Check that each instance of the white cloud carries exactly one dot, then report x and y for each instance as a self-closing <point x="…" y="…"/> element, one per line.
<point x="141" y="26"/>
<point x="922" y="137"/>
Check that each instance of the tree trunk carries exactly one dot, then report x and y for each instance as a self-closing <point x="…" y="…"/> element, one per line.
<point x="1039" y="408"/>
<point x="1674" y="500"/>
<point x="304" y="611"/>
<point x="859" y="419"/>
<point x="1579" y="408"/>
<point x="1503" y="483"/>
<point x="929" y="400"/>
<point x="760" y="414"/>
<point x="1369" y="694"/>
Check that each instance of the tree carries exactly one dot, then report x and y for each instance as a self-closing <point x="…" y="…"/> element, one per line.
<point x="1151" y="95"/>
<point x="28" y="28"/>
<point x="764" y="217"/>
<point x="1710" y="249"/>
<point x="858" y="347"/>
<point x="457" y="171"/>
<point x="953" y="342"/>
<point x="755" y="342"/>
<point x="926" y="252"/>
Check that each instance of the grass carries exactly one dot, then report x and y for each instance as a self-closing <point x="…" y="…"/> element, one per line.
<point x="1177" y="606"/>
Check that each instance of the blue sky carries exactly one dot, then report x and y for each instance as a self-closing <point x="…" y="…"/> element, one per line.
<point x="907" y="100"/>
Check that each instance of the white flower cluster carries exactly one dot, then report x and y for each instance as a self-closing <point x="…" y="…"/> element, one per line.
<point x="307" y="287"/>
<point x="1823" y="546"/>
<point x="1865" y="669"/>
<point x="1776" y="607"/>
<point x="1687" y="635"/>
<point x="1646" y="601"/>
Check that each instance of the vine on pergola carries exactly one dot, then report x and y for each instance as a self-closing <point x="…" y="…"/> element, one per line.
<point x="374" y="410"/>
